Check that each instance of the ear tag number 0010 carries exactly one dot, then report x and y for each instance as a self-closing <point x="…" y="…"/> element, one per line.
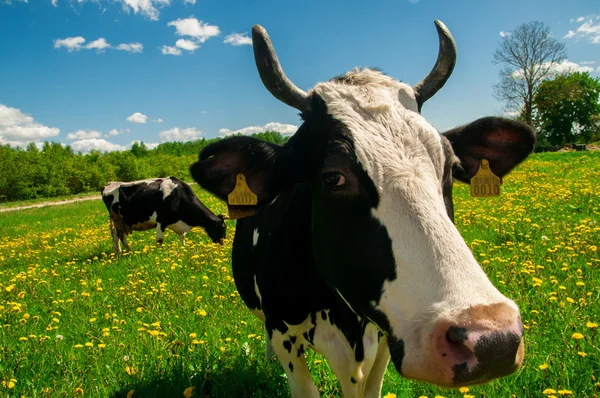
<point x="485" y="183"/>
<point x="241" y="202"/>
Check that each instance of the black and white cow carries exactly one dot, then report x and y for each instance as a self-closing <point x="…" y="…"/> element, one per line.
<point x="159" y="203"/>
<point x="352" y="251"/>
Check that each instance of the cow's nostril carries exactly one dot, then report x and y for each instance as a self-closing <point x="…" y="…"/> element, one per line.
<point x="456" y="335"/>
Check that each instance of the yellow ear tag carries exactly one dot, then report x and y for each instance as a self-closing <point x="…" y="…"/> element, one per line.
<point x="485" y="183"/>
<point x="241" y="202"/>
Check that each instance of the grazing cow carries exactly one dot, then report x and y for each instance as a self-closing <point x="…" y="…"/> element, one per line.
<point x="159" y="203"/>
<point x="352" y="250"/>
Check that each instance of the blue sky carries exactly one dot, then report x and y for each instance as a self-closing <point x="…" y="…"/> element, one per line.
<point x="101" y="74"/>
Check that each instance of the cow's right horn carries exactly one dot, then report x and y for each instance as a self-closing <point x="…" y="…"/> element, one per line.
<point x="443" y="68"/>
<point x="271" y="73"/>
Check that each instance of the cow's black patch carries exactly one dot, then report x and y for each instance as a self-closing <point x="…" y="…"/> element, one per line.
<point x="301" y="350"/>
<point x="352" y="380"/>
<point x="293" y="339"/>
<point x="397" y="352"/>
<point x="324" y="315"/>
<point x="287" y="345"/>
<point x="291" y="367"/>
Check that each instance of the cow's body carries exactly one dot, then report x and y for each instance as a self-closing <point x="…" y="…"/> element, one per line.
<point x="159" y="203"/>
<point x="352" y="250"/>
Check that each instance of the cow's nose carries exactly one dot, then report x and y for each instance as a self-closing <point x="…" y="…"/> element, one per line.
<point x="477" y="354"/>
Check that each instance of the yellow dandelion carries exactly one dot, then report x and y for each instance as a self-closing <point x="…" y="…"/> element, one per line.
<point x="189" y="392"/>
<point x="193" y="335"/>
<point x="77" y="346"/>
<point x="577" y="336"/>
<point x="582" y="354"/>
<point x="202" y="313"/>
<point x="592" y="325"/>
<point x="548" y="391"/>
<point x="464" y="390"/>
<point x="101" y="345"/>
<point x="565" y="392"/>
<point x="89" y="344"/>
<point x="138" y="309"/>
<point x="11" y="383"/>
<point x="130" y="370"/>
<point x="390" y="395"/>
<point x="79" y="391"/>
<point x="317" y="361"/>
<point x="544" y="366"/>
<point x="92" y="320"/>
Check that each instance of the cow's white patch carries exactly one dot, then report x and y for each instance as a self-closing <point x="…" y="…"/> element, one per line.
<point x="259" y="313"/>
<point x="402" y="153"/>
<point x="167" y="186"/>
<point x="255" y="237"/>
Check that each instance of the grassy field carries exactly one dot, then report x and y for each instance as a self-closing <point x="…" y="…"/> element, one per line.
<point x="76" y="320"/>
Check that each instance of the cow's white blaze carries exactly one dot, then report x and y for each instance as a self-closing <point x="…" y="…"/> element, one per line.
<point x="437" y="275"/>
<point x="167" y="186"/>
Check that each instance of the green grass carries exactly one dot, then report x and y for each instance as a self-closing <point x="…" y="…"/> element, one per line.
<point x="161" y="320"/>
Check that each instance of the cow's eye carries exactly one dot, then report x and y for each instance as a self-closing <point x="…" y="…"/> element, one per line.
<point x="333" y="180"/>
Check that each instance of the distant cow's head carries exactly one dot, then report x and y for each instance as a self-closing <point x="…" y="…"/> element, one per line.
<point x="381" y="179"/>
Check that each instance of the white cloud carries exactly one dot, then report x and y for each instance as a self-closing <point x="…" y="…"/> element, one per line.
<point x="285" y="129"/>
<point x="186" y="45"/>
<point x="159" y="120"/>
<point x="588" y="62"/>
<point x="131" y="47"/>
<point x="137" y="117"/>
<point x="177" y="134"/>
<point x="192" y="2"/>
<point x="504" y="34"/>
<point x="588" y="30"/>
<point x="166" y="50"/>
<point x="558" y="68"/>
<point x="145" y="7"/>
<point x="96" y="144"/>
<point x="194" y="28"/>
<point x="114" y="132"/>
<point x="17" y="128"/>
<point x="82" y="135"/>
<point x="55" y="3"/>
<point x="70" y="43"/>
<point x="98" y="44"/>
<point x="238" y="39"/>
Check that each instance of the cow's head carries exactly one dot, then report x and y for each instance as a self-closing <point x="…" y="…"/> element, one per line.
<point x="381" y="179"/>
<point x="217" y="231"/>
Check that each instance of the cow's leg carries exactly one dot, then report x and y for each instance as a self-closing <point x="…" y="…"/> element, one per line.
<point x="330" y="342"/>
<point x="182" y="238"/>
<point x="289" y="350"/>
<point x="123" y="237"/>
<point x="374" y="379"/>
<point x="115" y="236"/>
<point x="160" y="234"/>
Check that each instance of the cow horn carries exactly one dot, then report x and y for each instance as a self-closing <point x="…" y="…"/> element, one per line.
<point x="443" y="68"/>
<point x="271" y="73"/>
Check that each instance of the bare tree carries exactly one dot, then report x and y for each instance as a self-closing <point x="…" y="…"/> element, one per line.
<point x="529" y="53"/>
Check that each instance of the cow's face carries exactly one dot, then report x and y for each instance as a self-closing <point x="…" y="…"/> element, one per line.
<point x="383" y="236"/>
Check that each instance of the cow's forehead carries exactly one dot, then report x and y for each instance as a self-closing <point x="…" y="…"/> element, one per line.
<point x="388" y="133"/>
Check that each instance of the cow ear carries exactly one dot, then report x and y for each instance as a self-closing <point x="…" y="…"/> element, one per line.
<point x="266" y="167"/>
<point x="503" y="142"/>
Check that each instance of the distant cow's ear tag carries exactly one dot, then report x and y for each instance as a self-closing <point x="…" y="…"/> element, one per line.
<point x="485" y="183"/>
<point x="241" y="202"/>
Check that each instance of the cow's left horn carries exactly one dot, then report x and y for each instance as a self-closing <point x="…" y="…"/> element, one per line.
<point x="271" y="73"/>
<point x="443" y="68"/>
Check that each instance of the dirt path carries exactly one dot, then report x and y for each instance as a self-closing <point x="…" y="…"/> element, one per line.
<point x="50" y="203"/>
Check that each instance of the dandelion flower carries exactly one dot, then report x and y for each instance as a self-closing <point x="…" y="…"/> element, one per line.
<point x="544" y="366"/>
<point x="577" y="336"/>
<point x="565" y="392"/>
<point x="79" y="391"/>
<point x="582" y="354"/>
<point x="390" y="395"/>
<point x="592" y="325"/>
<point x="464" y="390"/>
<point x="548" y="391"/>
<point x="188" y="392"/>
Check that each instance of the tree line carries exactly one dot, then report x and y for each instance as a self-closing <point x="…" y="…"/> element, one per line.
<point x="56" y="170"/>
<point x="538" y="86"/>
